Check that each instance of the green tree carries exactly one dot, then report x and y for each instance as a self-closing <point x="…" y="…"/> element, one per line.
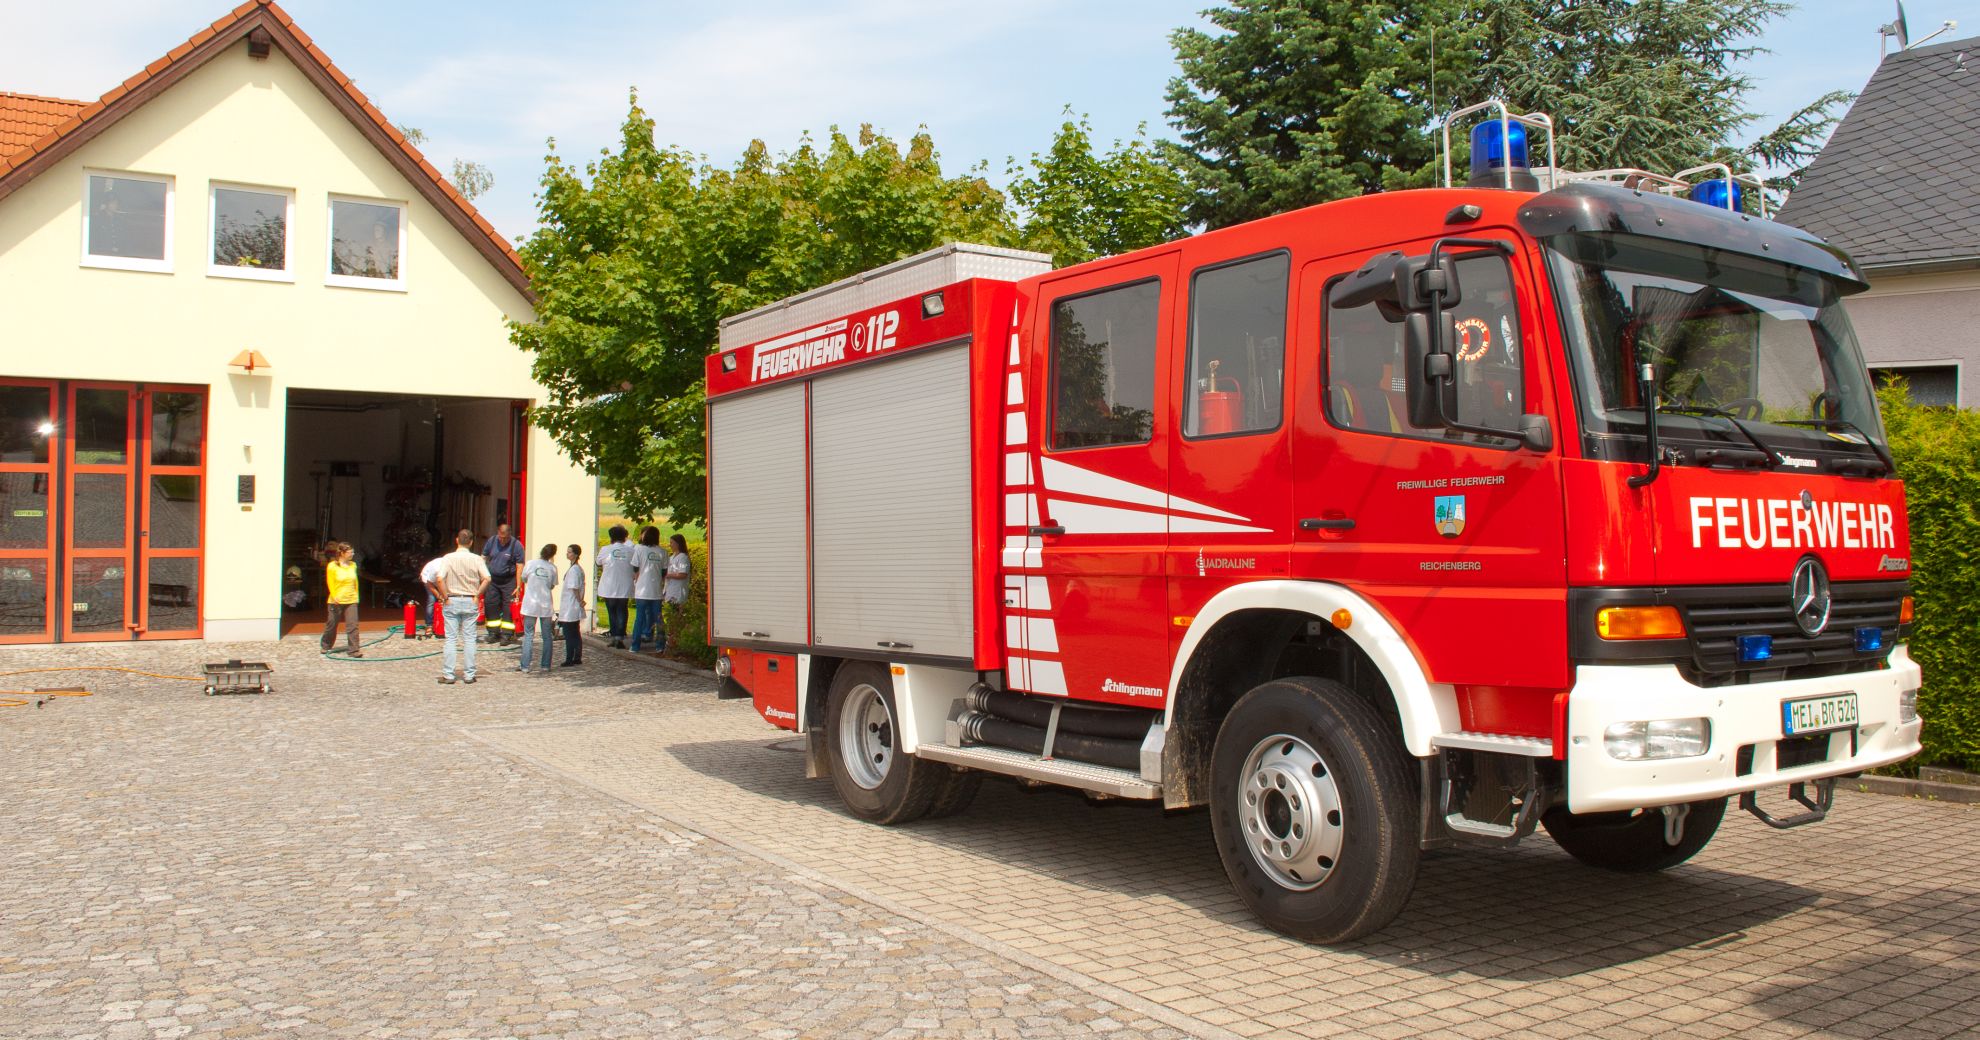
<point x="1079" y="204"/>
<point x="642" y="251"/>
<point x="1297" y="102"/>
<point x="1654" y="84"/>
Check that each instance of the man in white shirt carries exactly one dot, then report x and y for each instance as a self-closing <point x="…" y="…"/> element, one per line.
<point x="427" y="576"/>
<point x="463" y="578"/>
<point x="615" y="583"/>
<point x="649" y="571"/>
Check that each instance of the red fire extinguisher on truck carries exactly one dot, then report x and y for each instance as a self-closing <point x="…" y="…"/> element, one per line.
<point x="1219" y="403"/>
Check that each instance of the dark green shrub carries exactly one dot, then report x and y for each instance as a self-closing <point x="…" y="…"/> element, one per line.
<point x="1938" y="455"/>
<point x="687" y="623"/>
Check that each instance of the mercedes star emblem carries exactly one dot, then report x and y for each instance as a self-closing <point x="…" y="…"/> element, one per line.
<point x="1808" y="597"/>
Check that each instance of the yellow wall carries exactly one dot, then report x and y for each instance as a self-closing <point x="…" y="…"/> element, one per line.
<point x="252" y="122"/>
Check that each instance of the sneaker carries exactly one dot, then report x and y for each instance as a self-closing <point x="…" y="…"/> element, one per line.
<point x="357" y="653"/>
<point x="446" y="680"/>
<point x="469" y="680"/>
<point x="569" y="664"/>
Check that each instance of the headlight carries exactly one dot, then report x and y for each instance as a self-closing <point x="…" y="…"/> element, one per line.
<point x="1659" y="738"/>
<point x="1907" y="706"/>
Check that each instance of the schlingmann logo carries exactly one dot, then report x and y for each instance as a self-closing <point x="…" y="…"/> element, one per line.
<point x="1110" y="686"/>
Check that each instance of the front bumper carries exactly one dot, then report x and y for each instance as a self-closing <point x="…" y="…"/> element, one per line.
<point x="1741" y="715"/>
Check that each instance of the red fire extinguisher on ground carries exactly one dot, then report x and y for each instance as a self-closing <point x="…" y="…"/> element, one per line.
<point x="1219" y="404"/>
<point x="411" y="628"/>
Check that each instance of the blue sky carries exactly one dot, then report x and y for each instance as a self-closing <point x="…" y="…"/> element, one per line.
<point x="493" y="80"/>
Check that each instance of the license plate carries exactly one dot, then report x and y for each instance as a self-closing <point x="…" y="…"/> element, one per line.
<point x="1818" y="713"/>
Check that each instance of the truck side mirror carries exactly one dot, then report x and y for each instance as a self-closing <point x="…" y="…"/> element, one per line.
<point x="1376" y="280"/>
<point x="1428" y="371"/>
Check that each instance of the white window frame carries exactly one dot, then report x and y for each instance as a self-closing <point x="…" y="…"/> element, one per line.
<point x="1958" y="367"/>
<point x="129" y="263"/>
<point x="215" y="270"/>
<point x="348" y="281"/>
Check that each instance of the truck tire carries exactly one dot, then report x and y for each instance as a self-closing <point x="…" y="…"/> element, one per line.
<point x="1633" y="844"/>
<point x="877" y="782"/>
<point x="956" y="791"/>
<point x="1314" y="808"/>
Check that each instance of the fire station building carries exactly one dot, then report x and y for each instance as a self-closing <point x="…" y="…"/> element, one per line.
<point x="243" y="315"/>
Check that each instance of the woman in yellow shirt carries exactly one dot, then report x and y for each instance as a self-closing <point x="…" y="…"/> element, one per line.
<point x="340" y="574"/>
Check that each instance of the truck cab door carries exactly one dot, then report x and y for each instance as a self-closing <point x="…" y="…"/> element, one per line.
<point x="1458" y="539"/>
<point x="1096" y="627"/>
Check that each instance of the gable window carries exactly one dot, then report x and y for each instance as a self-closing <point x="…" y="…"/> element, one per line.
<point x="1103" y="366"/>
<point x="367" y="244"/>
<point x="251" y="233"/>
<point x="127" y="221"/>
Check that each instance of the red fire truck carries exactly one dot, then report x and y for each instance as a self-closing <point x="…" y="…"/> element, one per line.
<point x="1400" y="522"/>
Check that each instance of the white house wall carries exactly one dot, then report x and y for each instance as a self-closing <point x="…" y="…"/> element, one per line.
<point x="1924" y="318"/>
<point x="260" y="122"/>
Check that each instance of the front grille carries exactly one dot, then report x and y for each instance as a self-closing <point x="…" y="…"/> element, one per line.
<point x="1715" y="624"/>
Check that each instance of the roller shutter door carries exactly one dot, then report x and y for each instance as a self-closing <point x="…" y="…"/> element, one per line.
<point x="756" y="497"/>
<point x="891" y="505"/>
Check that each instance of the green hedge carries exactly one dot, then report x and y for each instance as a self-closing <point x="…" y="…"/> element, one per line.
<point x="687" y="623"/>
<point x="1938" y="455"/>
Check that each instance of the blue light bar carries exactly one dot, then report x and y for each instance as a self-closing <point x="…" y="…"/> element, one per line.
<point x="1755" y="648"/>
<point x="1713" y="193"/>
<point x="1869" y="638"/>
<point x="1488" y="147"/>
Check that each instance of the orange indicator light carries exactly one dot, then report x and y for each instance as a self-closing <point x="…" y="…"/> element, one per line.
<point x="1342" y="618"/>
<point x="1904" y="611"/>
<point x="1639" y="623"/>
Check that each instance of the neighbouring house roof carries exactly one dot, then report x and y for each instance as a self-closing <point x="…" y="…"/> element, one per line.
<point x="25" y="119"/>
<point x="1899" y="182"/>
<point x="36" y="133"/>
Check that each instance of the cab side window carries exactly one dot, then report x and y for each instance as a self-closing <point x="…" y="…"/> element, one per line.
<point x="1367" y="384"/>
<point x="1237" y="347"/>
<point x="1103" y="366"/>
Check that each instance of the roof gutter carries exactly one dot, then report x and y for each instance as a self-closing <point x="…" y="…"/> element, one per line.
<point x="1904" y="267"/>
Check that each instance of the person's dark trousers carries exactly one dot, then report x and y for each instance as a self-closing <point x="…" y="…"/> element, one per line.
<point x="497" y="607"/>
<point x="615" y="620"/>
<point x="573" y="642"/>
<point x="347" y="613"/>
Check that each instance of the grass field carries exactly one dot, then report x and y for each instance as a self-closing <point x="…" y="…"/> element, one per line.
<point x="609" y="514"/>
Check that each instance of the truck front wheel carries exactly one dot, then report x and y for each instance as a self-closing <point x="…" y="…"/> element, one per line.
<point x="1635" y="843"/>
<point x="1314" y="810"/>
<point x="874" y="778"/>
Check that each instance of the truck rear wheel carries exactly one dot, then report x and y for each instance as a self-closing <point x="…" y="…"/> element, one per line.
<point x="874" y="778"/>
<point x="1314" y="810"/>
<point x="1634" y="843"/>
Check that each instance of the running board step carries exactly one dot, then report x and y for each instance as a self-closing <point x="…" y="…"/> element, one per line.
<point x="1117" y="782"/>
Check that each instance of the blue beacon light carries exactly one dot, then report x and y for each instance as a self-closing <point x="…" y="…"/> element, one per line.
<point x="1869" y="638"/>
<point x="1489" y="146"/>
<point x="1755" y="648"/>
<point x="1713" y="193"/>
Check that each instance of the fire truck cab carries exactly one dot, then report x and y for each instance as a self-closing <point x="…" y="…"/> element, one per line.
<point x="1419" y="519"/>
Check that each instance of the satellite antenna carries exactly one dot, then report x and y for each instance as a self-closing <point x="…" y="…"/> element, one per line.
<point x="1897" y="28"/>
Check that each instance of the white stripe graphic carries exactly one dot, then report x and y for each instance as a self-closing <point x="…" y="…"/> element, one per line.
<point x="1076" y="481"/>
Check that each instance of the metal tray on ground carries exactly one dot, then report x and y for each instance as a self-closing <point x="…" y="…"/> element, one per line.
<point x="238" y="677"/>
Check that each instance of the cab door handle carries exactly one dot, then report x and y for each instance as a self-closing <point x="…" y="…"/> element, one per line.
<point x="1045" y="529"/>
<point x="1314" y="523"/>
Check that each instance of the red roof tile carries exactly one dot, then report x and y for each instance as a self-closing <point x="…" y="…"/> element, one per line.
<point x="25" y="119"/>
<point x="30" y="126"/>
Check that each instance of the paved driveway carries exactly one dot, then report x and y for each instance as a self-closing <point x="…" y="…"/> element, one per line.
<point x="612" y="852"/>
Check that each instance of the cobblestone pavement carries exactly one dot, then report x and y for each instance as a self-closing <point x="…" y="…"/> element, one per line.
<point x="342" y="859"/>
<point x="364" y="853"/>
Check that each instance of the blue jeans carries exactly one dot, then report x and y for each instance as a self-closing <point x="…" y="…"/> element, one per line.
<point x="535" y="628"/>
<point x="646" y="618"/>
<point x="461" y="636"/>
<point x="615" y="619"/>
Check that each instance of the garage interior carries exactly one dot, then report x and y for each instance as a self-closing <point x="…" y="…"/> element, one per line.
<point x="360" y="468"/>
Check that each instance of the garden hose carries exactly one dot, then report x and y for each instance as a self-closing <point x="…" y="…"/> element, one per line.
<point x="12" y="698"/>
<point x="344" y="655"/>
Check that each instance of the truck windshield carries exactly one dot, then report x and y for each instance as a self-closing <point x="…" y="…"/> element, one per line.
<point x="1755" y="360"/>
